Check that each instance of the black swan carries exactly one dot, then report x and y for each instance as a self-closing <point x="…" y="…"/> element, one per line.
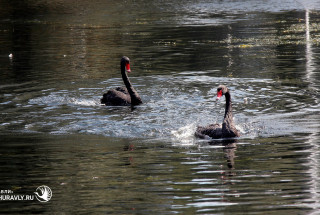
<point x="121" y="96"/>
<point x="227" y="129"/>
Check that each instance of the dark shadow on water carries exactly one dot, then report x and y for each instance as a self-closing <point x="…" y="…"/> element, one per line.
<point x="229" y="149"/>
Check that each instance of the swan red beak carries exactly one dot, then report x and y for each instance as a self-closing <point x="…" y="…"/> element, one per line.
<point x="219" y="94"/>
<point x="128" y="67"/>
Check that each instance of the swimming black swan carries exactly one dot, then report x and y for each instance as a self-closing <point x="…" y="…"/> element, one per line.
<point x="227" y="129"/>
<point x="121" y="96"/>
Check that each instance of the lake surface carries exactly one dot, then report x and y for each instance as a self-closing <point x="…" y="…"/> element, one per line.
<point x="57" y="58"/>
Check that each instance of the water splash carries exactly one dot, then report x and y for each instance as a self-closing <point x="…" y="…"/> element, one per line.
<point x="170" y="111"/>
<point x="184" y="135"/>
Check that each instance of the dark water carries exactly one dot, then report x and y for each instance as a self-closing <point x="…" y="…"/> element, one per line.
<point x="114" y="160"/>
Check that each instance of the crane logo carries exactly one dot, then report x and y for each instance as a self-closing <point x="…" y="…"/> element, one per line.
<point x="43" y="193"/>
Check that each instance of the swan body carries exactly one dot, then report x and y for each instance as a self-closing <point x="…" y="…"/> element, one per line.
<point x="225" y="130"/>
<point x="121" y="96"/>
<point x="118" y="96"/>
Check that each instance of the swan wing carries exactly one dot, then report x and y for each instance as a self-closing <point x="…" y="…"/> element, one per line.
<point x="210" y="131"/>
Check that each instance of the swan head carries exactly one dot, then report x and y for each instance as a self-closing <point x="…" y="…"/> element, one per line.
<point x="221" y="90"/>
<point x="125" y="62"/>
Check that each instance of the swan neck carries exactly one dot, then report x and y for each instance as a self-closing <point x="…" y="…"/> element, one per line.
<point x="228" y="110"/>
<point x="125" y="77"/>
<point x="228" y="127"/>
<point x="132" y="92"/>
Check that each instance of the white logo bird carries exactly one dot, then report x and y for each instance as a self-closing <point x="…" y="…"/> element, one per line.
<point x="45" y="193"/>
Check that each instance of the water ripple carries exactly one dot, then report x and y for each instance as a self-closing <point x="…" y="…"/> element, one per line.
<point x="173" y="107"/>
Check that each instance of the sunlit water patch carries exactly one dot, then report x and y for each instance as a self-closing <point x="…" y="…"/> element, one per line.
<point x="213" y="13"/>
<point x="173" y="107"/>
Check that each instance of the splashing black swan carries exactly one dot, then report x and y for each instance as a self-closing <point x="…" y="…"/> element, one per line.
<point x="121" y="96"/>
<point x="227" y="129"/>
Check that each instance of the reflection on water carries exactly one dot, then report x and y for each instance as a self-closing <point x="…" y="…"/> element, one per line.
<point x="121" y="175"/>
<point x="99" y="159"/>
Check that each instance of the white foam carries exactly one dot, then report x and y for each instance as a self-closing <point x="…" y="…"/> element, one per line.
<point x="185" y="134"/>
